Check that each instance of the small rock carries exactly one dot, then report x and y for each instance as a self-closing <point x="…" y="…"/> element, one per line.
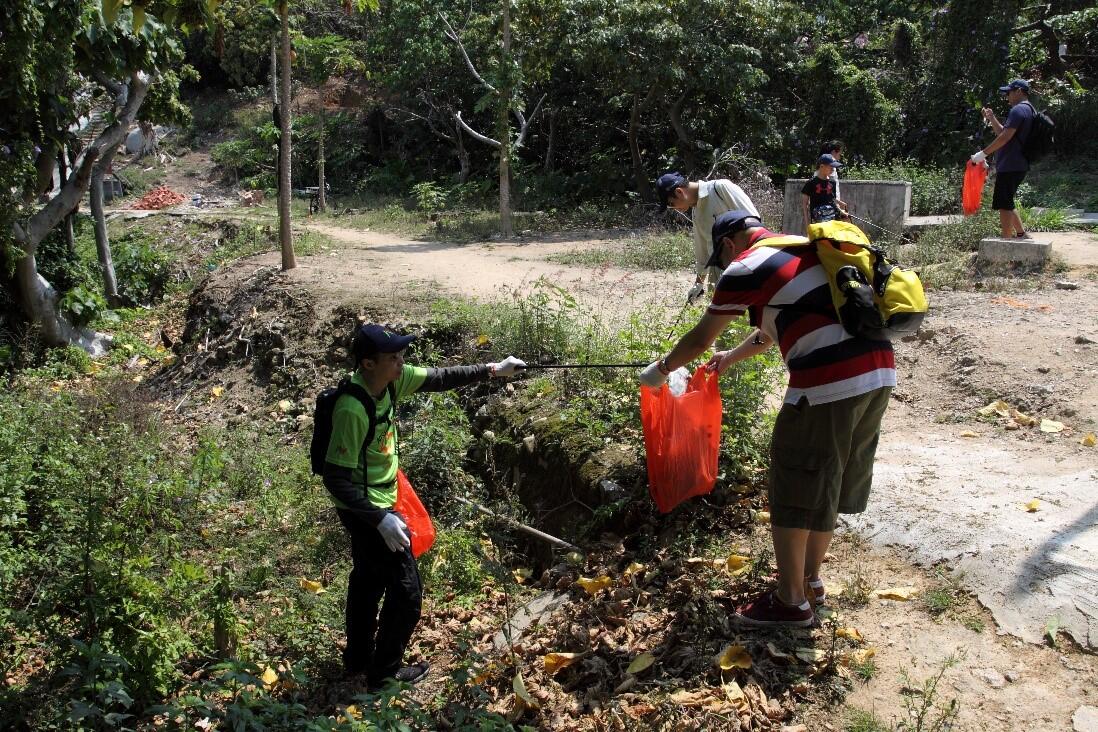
<point x="1043" y="369"/>
<point x="1065" y="285"/>
<point x="1085" y="719"/>
<point x="1012" y="676"/>
<point x="530" y="442"/>
<point x="993" y="678"/>
<point x="966" y="361"/>
<point x="509" y="388"/>
<point x="1082" y="339"/>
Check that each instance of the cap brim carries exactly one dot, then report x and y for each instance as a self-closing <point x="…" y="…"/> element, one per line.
<point x="1004" y="89"/>
<point x="714" y="259"/>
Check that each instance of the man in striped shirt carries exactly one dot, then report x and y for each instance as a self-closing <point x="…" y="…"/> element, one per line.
<point x="825" y="436"/>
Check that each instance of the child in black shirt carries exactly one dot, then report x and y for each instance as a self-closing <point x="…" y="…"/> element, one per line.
<point x="819" y="200"/>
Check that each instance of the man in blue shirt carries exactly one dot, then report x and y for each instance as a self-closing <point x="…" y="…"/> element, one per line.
<point x="1010" y="164"/>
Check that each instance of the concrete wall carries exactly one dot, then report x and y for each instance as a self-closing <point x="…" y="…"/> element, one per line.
<point x="887" y="203"/>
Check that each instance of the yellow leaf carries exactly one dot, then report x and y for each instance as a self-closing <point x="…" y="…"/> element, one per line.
<point x="558" y="661"/>
<point x="522" y="574"/>
<point x="894" y="593"/>
<point x="1023" y="420"/>
<point x="485" y="673"/>
<point x="1090" y="440"/>
<point x="594" y="584"/>
<point x="217" y="391"/>
<point x="640" y="663"/>
<point x="861" y="655"/>
<point x="268" y="677"/>
<point x="632" y="569"/>
<point x="970" y="433"/>
<point x="522" y="693"/>
<point x="998" y="407"/>
<point x="735" y="694"/>
<point x="811" y="655"/>
<point x="734" y="656"/>
<point x="573" y="558"/>
<point x="736" y="562"/>
<point x="128" y="347"/>
<point x="482" y="340"/>
<point x="1033" y="506"/>
<point x="762" y="517"/>
<point x="285" y="405"/>
<point x="353" y="712"/>
<point x="1051" y="426"/>
<point x="850" y="633"/>
<point x="309" y="586"/>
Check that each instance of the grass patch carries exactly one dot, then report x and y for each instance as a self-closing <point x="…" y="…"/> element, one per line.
<point x="659" y="252"/>
<point x="1055" y="183"/>
<point x="939" y="600"/>
<point x="141" y="176"/>
<point x="859" y="720"/>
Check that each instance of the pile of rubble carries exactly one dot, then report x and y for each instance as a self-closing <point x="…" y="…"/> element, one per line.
<point x="158" y="198"/>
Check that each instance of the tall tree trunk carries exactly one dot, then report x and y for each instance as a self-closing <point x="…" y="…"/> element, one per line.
<point x="102" y="241"/>
<point x="550" y="150"/>
<point x="322" y="198"/>
<point x="274" y="69"/>
<point x="688" y="147"/>
<point x="285" y="233"/>
<point x="504" y="113"/>
<point x="63" y="175"/>
<point x="462" y="154"/>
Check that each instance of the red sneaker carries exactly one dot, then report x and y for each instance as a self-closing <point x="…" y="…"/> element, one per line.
<point x="767" y="609"/>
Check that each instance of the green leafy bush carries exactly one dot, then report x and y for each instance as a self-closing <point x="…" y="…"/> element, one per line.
<point x="83" y="305"/>
<point x="934" y="190"/>
<point x="143" y="271"/>
<point x="429" y="196"/>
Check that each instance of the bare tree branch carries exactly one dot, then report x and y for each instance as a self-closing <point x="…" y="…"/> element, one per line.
<point x="524" y="124"/>
<point x="473" y="133"/>
<point x="453" y="36"/>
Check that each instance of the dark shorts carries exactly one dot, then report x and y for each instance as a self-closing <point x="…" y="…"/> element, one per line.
<point x="1006" y="185"/>
<point x="821" y="459"/>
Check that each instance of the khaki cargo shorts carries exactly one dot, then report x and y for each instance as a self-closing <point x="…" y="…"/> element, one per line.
<point x="821" y="459"/>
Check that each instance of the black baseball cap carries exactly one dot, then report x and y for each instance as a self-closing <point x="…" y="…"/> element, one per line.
<point x="666" y="184"/>
<point x="728" y="224"/>
<point x="1016" y="84"/>
<point x="829" y="159"/>
<point x="372" y="339"/>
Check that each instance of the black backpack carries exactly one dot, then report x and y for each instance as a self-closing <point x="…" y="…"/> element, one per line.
<point x="1041" y="137"/>
<point x="322" y="419"/>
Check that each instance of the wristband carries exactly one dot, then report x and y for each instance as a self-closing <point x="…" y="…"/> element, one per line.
<point x="663" y="367"/>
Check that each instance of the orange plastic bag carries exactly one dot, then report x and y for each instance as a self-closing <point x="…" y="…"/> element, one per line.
<point x="973" y="189"/>
<point x="682" y="438"/>
<point x="415" y="516"/>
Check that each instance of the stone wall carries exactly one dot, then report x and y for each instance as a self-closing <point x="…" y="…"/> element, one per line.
<point x="887" y="203"/>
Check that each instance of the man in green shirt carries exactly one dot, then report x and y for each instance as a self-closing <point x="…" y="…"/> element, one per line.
<point x="362" y="480"/>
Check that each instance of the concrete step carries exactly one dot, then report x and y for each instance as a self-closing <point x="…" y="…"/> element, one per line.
<point x="1029" y="252"/>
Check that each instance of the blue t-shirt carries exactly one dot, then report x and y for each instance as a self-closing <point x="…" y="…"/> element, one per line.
<point x="1010" y="158"/>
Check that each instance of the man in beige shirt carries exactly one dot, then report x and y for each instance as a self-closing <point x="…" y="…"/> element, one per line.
<point x="709" y="199"/>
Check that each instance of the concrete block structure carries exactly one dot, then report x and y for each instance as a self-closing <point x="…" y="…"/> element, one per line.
<point x="887" y="203"/>
<point x="1026" y="252"/>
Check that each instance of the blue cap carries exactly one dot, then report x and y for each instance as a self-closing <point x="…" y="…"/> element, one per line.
<point x="829" y="159"/>
<point x="666" y="184"/>
<point x="1016" y="84"/>
<point x="728" y="224"/>
<point x="372" y="339"/>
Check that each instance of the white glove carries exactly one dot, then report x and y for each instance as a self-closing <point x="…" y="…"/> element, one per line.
<point x="394" y="532"/>
<point x="507" y="367"/>
<point x="978" y="157"/>
<point x="652" y="376"/>
<point x="695" y="292"/>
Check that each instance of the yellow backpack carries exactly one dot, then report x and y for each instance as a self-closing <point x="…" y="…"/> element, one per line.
<point x="874" y="297"/>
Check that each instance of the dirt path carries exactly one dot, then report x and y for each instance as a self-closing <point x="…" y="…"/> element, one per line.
<point x="941" y="499"/>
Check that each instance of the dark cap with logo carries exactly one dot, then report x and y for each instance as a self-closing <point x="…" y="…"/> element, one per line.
<point x="666" y="184"/>
<point x="372" y="339"/>
<point x="829" y="159"/>
<point x="727" y="224"/>
<point x="1016" y="84"/>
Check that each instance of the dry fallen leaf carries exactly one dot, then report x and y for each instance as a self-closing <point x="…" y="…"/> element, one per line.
<point x="310" y="586"/>
<point x="1033" y="506"/>
<point x="482" y="340"/>
<point x="777" y="654"/>
<point x="594" y="584"/>
<point x="703" y="698"/>
<point x="735" y="694"/>
<point x="762" y="517"/>
<point x="850" y="633"/>
<point x="632" y="569"/>
<point x="558" y="661"/>
<point x="1051" y="426"/>
<point x="217" y="391"/>
<point x="861" y="655"/>
<point x="520" y="691"/>
<point x="734" y="656"/>
<point x="485" y="673"/>
<point x="970" y="433"/>
<point x="1022" y="419"/>
<point x="1090" y="440"/>
<point x="998" y="407"/>
<point x="285" y="405"/>
<point x="522" y="574"/>
<point x="894" y="593"/>
<point x="353" y="712"/>
<point x="640" y="663"/>
<point x="811" y="655"/>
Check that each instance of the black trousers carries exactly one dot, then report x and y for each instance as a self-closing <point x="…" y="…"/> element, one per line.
<point x="385" y="579"/>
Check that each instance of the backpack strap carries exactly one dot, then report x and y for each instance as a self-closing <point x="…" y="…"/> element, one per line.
<point x="349" y="387"/>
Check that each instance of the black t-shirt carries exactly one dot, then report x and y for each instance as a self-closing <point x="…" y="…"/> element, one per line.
<point x="820" y="191"/>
